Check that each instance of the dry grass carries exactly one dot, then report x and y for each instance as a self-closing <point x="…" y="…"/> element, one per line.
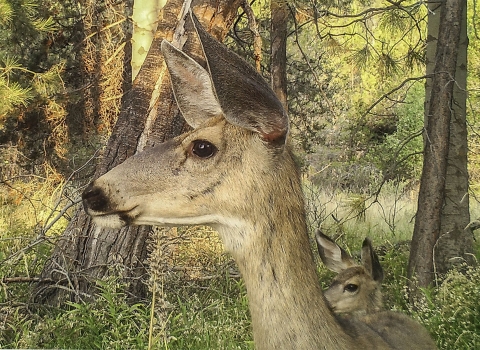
<point x="198" y="300"/>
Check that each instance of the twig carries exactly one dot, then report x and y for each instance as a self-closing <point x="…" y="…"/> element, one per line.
<point x="45" y="229"/>
<point x="395" y="89"/>
<point x="305" y="57"/>
<point x="257" y="39"/>
<point x="21" y="279"/>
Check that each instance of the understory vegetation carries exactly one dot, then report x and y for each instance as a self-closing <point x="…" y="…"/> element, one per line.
<point x="356" y="92"/>
<point x="198" y="299"/>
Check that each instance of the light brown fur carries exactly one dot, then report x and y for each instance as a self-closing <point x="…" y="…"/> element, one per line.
<point x="249" y="191"/>
<point x="356" y="289"/>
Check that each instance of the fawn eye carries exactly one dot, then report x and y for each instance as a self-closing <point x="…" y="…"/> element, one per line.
<point x="203" y="149"/>
<point x="350" y="288"/>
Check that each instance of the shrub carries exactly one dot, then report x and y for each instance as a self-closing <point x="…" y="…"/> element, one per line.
<point x="108" y="322"/>
<point x="451" y="312"/>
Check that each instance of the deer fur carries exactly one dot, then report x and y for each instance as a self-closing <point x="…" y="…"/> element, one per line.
<point x="248" y="189"/>
<point x="356" y="289"/>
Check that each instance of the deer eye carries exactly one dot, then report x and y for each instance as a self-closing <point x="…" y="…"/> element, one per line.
<point x="351" y="288"/>
<point x="203" y="149"/>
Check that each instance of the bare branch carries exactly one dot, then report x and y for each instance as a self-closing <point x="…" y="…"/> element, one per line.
<point x="395" y="89"/>
<point x="257" y="39"/>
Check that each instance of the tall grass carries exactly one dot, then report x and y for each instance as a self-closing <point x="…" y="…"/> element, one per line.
<point x="384" y="217"/>
<point x="200" y="301"/>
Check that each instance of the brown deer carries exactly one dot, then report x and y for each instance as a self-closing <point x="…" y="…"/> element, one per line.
<point x="356" y="289"/>
<point x="235" y="172"/>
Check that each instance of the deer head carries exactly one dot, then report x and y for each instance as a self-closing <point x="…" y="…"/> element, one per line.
<point x="231" y="108"/>
<point x="357" y="288"/>
<point x="235" y="172"/>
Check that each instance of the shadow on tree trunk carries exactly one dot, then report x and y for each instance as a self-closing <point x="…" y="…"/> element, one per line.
<point x="86" y="253"/>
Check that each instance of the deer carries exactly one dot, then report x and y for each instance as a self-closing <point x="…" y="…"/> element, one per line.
<point x="235" y="172"/>
<point x="356" y="289"/>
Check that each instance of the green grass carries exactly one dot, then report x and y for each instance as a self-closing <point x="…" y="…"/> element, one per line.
<point x="200" y="305"/>
<point x="108" y="322"/>
<point x="215" y="318"/>
<point x="451" y="312"/>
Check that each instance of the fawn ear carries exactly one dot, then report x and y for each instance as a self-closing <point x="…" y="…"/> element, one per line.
<point x="191" y="85"/>
<point x="244" y="96"/>
<point x="334" y="257"/>
<point x="370" y="261"/>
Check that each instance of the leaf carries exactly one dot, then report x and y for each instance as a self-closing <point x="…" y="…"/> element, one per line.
<point x="44" y="25"/>
<point x="394" y="21"/>
<point x="360" y="58"/>
<point x="49" y="82"/>
<point x="387" y="64"/>
<point x="12" y="94"/>
<point x="10" y="64"/>
<point x="6" y="12"/>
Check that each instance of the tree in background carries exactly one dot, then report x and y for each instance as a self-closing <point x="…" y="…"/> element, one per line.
<point x="350" y="93"/>
<point x="278" y="43"/>
<point x="444" y="182"/>
<point x="145" y="22"/>
<point x="353" y="71"/>
<point x="455" y="244"/>
<point x="105" y="53"/>
<point x="148" y="115"/>
<point x="34" y="42"/>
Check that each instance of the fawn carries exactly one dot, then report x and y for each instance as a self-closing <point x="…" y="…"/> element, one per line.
<point x="357" y="288"/>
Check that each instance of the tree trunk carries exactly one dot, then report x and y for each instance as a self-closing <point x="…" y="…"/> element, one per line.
<point x="431" y="198"/>
<point x="144" y="19"/>
<point x="455" y="245"/>
<point x="278" y="42"/>
<point x="149" y="114"/>
<point x="106" y="74"/>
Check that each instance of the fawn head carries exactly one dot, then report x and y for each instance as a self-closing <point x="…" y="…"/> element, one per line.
<point x="357" y="288"/>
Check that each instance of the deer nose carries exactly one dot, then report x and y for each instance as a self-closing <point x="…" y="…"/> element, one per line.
<point x="94" y="199"/>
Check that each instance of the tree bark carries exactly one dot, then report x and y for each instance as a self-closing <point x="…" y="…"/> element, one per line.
<point x="106" y="74"/>
<point x="148" y="115"/>
<point x="144" y="22"/>
<point x="431" y="200"/>
<point x="455" y="245"/>
<point x="278" y="42"/>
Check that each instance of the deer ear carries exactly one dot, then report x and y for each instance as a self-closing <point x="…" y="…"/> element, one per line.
<point x="191" y="85"/>
<point x="244" y="96"/>
<point x="334" y="257"/>
<point x="370" y="261"/>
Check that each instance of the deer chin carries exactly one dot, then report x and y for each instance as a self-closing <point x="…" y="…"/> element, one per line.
<point x="109" y="221"/>
<point x="213" y="220"/>
<point x="115" y="219"/>
<point x="135" y="217"/>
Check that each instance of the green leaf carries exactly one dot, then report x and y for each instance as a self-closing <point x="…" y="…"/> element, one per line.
<point x="6" y="13"/>
<point x="12" y="94"/>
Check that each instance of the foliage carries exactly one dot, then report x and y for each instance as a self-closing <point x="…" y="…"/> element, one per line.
<point x="35" y="58"/>
<point x="353" y="96"/>
<point x="451" y="311"/>
<point x="310" y="92"/>
<point x="399" y="156"/>
<point x="211" y="315"/>
<point x="365" y="50"/>
<point x="30" y="217"/>
<point x="201" y="302"/>
<point x="108" y="322"/>
<point x="21" y="80"/>
<point x="34" y="211"/>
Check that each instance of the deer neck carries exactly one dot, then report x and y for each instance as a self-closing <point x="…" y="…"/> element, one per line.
<point x="286" y="303"/>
